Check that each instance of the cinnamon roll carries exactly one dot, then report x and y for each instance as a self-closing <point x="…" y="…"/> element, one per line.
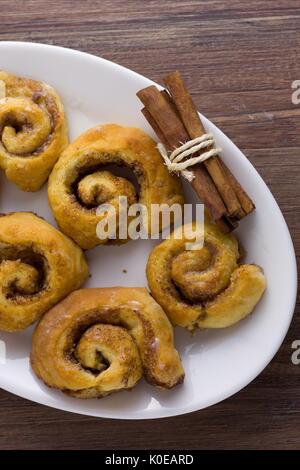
<point x="81" y="180"/>
<point x="99" y="341"/>
<point x="38" y="267"/>
<point x="204" y="288"/>
<point x="33" y="130"/>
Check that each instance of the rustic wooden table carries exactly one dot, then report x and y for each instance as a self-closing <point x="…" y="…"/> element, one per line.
<point x="239" y="59"/>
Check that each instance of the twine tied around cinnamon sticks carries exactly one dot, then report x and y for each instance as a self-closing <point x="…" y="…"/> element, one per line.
<point x="182" y="158"/>
<point x="174" y="118"/>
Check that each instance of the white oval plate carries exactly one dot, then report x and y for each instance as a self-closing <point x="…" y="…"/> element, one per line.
<point x="217" y="363"/>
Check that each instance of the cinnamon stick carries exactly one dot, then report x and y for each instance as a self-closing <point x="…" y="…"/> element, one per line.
<point x="245" y="201"/>
<point x="193" y="124"/>
<point x="172" y="133"/>
<point x="155" y="127"/>
<point x="164" y="115"/>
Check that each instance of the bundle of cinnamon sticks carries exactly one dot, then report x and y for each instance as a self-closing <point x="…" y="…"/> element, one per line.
<point x="174" y="118"/>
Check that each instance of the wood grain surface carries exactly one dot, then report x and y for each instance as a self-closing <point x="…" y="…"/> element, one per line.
<point x="239" y="59"/>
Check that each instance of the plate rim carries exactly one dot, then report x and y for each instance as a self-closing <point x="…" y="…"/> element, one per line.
<point x="166" y="413"/>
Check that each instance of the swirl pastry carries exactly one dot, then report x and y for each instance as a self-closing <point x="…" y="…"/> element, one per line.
<point x="33" y="130"/>
<point x="99" y="341"/>
<point x="204" y="288"/>
<point x="81" y="181"/>
<point x="38" y="267"/>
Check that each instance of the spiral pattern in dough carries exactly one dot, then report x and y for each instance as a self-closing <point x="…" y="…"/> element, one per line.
<point x="33" y="130"/>
<point x="99" y="341"/>
<point x="38" y="267"/>
<point x="204" y="288"/>
<point x="83" y="179"/>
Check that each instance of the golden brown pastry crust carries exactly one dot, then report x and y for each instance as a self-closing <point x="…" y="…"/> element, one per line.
<point x="204" y="288"/>
<point x="38" y="267"/>
<point x="79" y="181"/>
<point x="33" y="130"/>
<point x="98" y="341"/>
